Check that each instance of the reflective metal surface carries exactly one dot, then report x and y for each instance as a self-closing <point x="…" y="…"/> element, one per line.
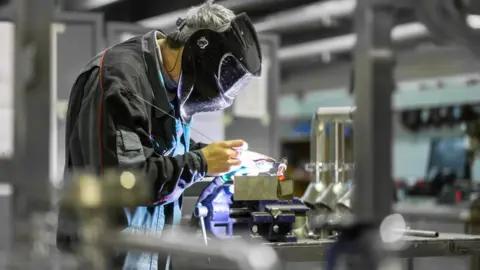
<point x="327" y="157"/>
<point x="344" y="204"/>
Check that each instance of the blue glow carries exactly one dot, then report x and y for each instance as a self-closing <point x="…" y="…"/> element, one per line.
<point x="231" y="189"/>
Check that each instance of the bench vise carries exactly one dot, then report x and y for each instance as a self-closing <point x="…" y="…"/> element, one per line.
<point x="258" y="207"/>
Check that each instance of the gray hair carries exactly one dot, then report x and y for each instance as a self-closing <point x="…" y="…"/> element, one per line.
<point x="206" y="16"/>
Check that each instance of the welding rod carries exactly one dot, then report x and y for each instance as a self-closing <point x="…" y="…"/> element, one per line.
<point x="418" y="233"/>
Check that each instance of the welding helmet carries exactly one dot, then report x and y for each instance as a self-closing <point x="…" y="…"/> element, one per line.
<point x="216" y="65"/>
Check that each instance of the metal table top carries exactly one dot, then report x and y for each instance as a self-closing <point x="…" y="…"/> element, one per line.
<point x="446" y="244"/>
<point x="428" y="209"/>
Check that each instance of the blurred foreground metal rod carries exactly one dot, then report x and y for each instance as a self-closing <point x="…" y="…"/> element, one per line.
<point x="245" y="255"/>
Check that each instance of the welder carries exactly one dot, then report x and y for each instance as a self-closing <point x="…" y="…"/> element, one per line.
<point x="132" y="106"/>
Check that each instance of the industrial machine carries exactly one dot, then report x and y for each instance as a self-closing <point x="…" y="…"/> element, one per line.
<point x="258" y="207"/>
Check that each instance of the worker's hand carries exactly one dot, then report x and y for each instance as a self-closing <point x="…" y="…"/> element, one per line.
<point x="222" y="157"/>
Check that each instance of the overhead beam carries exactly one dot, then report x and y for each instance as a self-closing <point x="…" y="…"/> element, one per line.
<point x="167" y="21"/>
<point x="345" y="43"/>
<point x="87" y="4"/>
<point x="134" y="10"/>
<point x="318" y="12"/>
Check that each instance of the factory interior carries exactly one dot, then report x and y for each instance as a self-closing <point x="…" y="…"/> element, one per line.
<point x="368" y="112"/>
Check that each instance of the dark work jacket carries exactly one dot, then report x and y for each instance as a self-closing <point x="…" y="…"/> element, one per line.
<point x="111" y="124"/>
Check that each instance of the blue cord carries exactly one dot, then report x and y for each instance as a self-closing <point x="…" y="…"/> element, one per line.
<point x="228" y="176"/>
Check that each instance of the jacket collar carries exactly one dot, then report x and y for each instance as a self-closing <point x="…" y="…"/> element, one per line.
<point x="151" y="58"/>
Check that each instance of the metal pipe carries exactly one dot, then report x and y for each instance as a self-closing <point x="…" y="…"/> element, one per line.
<point x="418" y="233"/>
<point x="319" y="12"/>
<point x="168" y="20"/>
<point x="345" y="43"/>
<point x="339" y="130"/>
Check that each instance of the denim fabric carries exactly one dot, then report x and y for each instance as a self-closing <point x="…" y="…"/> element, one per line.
<point x="152" y="219"/>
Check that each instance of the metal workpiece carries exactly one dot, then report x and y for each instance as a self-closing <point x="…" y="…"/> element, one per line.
<point x="265" y="188"/>
<point x="342" y="114"/>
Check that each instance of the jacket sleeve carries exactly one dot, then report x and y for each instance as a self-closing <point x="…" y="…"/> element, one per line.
<point x="197" y="145"/>
<point x="119" y="119"/>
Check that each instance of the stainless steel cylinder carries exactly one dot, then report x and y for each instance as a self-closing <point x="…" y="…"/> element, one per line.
<point x="344" y="203"/>
<point x="339" y="156"/>
<point x="327" y="141"/>
<point x="328" y="157"/>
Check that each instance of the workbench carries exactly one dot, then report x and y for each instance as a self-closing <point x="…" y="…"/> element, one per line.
<point x="447" y="244"/>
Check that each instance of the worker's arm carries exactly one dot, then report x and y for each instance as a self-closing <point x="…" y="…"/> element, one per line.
<point x="122" y="124"/>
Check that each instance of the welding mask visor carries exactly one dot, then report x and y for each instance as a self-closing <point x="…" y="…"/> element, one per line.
<point x="217" y="65"/>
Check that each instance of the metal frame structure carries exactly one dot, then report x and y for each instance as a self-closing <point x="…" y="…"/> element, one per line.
<point x="27" y="173"/>
<point x="32" y="118"/>
<point x="374" y="85"/>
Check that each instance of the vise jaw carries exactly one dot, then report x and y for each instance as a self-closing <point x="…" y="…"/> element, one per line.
<point x="262" y="188"/>
<point x="273" y="208"/>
